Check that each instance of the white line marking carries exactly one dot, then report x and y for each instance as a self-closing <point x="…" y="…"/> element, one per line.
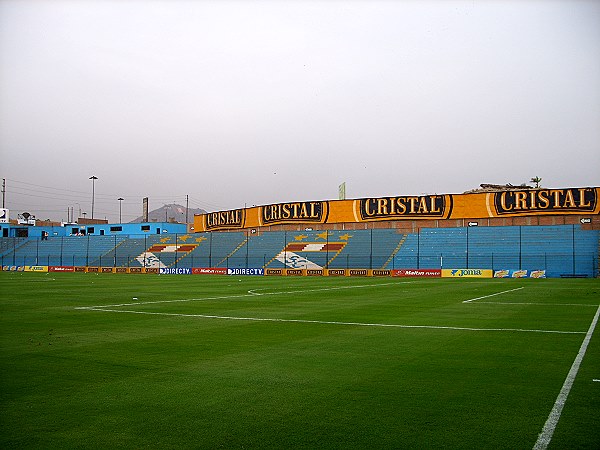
<point x="225" y="297"/>
<point x="537" y="304"/>
<point x="329" y="322"/>
<point x="491" y="295"/>
<point x="595" y="380"/>
<point x="545" y="436"/>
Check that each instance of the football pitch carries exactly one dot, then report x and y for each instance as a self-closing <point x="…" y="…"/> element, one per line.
<point x="147" y="361"/>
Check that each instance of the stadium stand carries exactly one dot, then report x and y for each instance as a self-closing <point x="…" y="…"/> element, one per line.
<point x="561" y="250"/>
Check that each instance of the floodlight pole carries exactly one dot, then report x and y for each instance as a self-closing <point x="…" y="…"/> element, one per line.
<point x="120" y="202"/>
<point x="93" y="178"/>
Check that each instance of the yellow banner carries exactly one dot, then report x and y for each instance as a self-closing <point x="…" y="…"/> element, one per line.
<point x="508" y="203"/>
<point x="36" y="268"/>
<point x="467" y="273"/>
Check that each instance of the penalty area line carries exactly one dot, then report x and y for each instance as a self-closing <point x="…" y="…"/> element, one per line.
<point x="330" y="322"/>
<point x="545" y="436"/>
<point x="492" y="295"/>
<point x="538" y="304"/>
<point x="250" y="293"/>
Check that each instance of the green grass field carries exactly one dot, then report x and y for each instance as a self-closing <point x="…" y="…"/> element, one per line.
<point x="259" y="362"/>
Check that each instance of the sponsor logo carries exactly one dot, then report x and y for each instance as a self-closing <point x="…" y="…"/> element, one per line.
<point x="135" y="270"/>
<point x="13" y="268"/>
<point x="80" y="269"/>
<point x="93" y="269"/>
<point x="150" y="260"/>
<point x="387" y="208"/>
<point x="121" y="269"/>
<point x="336" y="272"/>
<point x="107" y="270"/>
<point x="61" y="269"/>
<point x="519" y="273"/>
<point x="294" y="212"/>
<point x="36" y="268"/>
<point x="425" y="273"/>
<point x="175" y="271"/>
<point x="381" y="273"/>
<point x="467" y="273"/>
<point x="248" y="271"/>
<point x="463" y="272"/>
<point x="358" y="272"/>
<point x="274" y="272"/>
<point x="542" y="200"/>
<point x="295" y="261"/>
<point x="225" y="219"/>
<point x="294" y="272"/>
<point x="314" y="272"/>
<point x="209" y="271"/>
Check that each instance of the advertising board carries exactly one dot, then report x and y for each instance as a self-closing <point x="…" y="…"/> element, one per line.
<point x="467" y="273"/>
<point x="274" y="272"/>
<point x="175" y="271"/>
<point x="36" y="268"/>
<point x="61" y="269"/>
<point x="246" y="271"/>
<point x="294" y="272"/>
<point x="358" y="272"/>
<point x="380" y="273"/>
<point x="521" y="273"/>
<point x="209" y="271"/>
<point x="336" y="272"/>
<point x="314" y="272"/>
<point x="422" y="273"/>
<point x="507" y="203"/>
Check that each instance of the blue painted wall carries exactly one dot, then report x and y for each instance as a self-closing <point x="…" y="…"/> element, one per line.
<point x="124" y="229"/>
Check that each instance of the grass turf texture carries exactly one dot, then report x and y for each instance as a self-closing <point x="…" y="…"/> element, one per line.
<point x="81" y="378"/>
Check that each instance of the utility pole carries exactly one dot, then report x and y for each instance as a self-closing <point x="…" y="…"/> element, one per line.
<point x="187" y="205"/>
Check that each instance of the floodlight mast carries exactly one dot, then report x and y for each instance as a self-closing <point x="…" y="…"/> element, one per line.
<point x="93" y="178"/>
<point x="120" y="202"/>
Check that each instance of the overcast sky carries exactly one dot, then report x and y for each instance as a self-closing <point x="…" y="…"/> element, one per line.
<point x="254" y="102"/>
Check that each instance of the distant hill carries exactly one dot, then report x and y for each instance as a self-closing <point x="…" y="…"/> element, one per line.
<point x="171" y="213"/>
